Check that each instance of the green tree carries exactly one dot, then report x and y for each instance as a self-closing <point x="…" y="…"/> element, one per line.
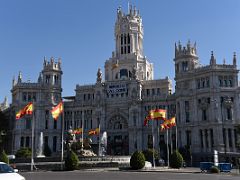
<point x="137" y="160"/>
<point x="3" y="157"/>
<point x="71" y="161"/>
<point x="4" y="123"/>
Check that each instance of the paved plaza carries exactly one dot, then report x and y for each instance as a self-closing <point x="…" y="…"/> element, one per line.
<point x="114" y="173"/>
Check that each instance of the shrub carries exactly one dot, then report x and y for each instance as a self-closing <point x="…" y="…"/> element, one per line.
<point x="3" y="157"/>
<point x="71" y="161"/>
<point x="23" y="153"/>
<point x="148" y="154"/>
<point x="214" y="169"/>
<point x="176" y="160"/>
<point x="47" y="151"/>
<point x="137" y="160"/>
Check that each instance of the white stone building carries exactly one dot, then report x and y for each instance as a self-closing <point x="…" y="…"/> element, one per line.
<point x="206" y="100"/>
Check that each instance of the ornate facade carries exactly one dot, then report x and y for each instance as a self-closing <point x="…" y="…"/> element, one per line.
<point x="205" y="102"/>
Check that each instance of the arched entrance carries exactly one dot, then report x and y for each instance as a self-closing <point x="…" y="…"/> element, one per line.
<point x="118" y="140"/>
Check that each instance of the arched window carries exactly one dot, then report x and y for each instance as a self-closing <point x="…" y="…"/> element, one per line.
<point x="123" y="73"/>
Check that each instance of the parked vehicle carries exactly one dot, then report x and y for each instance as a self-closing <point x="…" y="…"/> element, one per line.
<point x="6" y="172"/>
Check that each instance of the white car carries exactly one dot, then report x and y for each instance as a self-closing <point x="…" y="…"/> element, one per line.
<point x="8" y="173"/>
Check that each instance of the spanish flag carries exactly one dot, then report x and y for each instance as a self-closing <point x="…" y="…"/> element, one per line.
<point x="168" y="123"/>
<point x="157" y="114"/>
<point x="57" y="110"/>
<point x="93" y="132"/>
<point x="28" y="109"/>
<point x="77" y="131"/>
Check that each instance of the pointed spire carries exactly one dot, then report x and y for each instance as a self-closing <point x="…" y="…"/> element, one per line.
<point x="234" y="59"/>
<point x="14" y="81"/>
<point x="212" y="60"/>
<point x="44" y="61"/>
<point x="40" y="78"/>
<point x="224" y="61"/>
<point x="20" y="77"/>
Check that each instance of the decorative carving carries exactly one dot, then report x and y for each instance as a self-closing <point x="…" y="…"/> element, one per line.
<point x="204" y="103"/>
<point x="134" y="72"/>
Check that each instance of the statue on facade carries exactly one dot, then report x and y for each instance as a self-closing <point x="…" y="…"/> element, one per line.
<point x="99" y="76"/>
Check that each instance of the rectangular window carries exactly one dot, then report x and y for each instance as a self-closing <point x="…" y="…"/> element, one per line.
<point x="22" y="142"/>
<point x="46" y="141"/>
<point x="229" y="114"/>
<point x="201" y="138"/>
<point x="27" y="141"/>
<point x="54" y="143"/>
<point x="153" y="92"/>
<point x="204" y="114"/>
<point x="150" y="142"/>
<point x="24" y="97"/>
<point x="28" y="123"/>
<point x="212" y="139"/>
<point x="54" y="124"/>
<point x="158" y="91"/>
<point x="148" y="92"/>
<point x="206" y="138"/>
<point x="230" y="137"/>
<point x="188" y="137"/>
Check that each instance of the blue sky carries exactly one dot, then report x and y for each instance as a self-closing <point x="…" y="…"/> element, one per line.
<point x="81" y="32"/>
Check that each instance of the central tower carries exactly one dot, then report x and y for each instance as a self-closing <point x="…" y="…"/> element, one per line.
<point x="129" y="33"/>
<point x="128" y="60"/>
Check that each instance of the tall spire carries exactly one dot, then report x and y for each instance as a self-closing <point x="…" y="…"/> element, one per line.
<point x="234" y="59"/>
<point x="212" y="60"/>
<point x="20" y="77"/>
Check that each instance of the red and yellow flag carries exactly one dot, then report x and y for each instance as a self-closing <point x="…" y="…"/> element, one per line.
<point x="93" y="132"/>
<point x="28" y="109"/>
<point x="168" y="123"/>
<point x="57" y="110"/>
<point x="77" y="131"/>
<point x="155" y="114"/>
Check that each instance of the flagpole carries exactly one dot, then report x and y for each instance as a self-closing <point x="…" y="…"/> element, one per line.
<point x="153" y="145"/>
<point x="171" y="144"/>
<point x="176" y="137"/>
<point x="33" y="126"/>
<point x="167" y="149"/>
<point x="158" y="141"/>
<point x="82" y="128"/>
<point x="62" y="136"/>
<point x="99" y="141"/>
<point x="167" y="135"/>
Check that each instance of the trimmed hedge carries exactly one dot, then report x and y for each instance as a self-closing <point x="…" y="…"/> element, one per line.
<point x="137" y="160"/>
<point x="176" y="160"/>
<point x="24" y="153"/>
<point x="214" y="169"/>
